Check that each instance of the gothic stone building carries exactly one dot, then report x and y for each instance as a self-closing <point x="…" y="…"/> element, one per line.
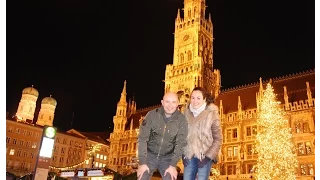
<point x="193" y="66"/>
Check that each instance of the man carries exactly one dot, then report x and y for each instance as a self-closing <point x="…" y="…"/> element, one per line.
<point x="162" y="137"/>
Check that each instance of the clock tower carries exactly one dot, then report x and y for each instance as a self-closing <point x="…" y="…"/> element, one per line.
<point x="193" y="53"/>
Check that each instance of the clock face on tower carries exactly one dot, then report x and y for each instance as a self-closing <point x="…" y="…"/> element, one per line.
<point x="186" y="37"/>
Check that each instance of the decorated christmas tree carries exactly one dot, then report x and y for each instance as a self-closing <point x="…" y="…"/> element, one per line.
<point x="274" y="144"/>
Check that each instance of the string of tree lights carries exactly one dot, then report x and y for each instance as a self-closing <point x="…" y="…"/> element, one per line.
<point x="274" y="144"/>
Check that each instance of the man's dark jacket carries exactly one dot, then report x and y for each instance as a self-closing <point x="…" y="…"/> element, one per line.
<point x="160" y="138"/>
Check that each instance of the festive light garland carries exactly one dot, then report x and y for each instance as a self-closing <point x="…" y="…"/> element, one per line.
<point x="274" y="145"/>
<point x="92" y="150"/>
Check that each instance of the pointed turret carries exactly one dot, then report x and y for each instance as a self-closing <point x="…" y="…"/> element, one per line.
<point x="178" y="18"/>
<point x="134" y="106"/>
<point x="286" y="98"/>
<point x="120" y="119"/>
<point x="131" y="125"/>
<point x="131" y="128"/>
<point x="129" y="104"/>
<point x="129" y="109"/>
<point x="221" y="109"/>
<point x="124" y="92"/>
<point x="309" y="94"/>
<point x="239" y="108"/>
<point x="259" y="94"/>
<point x="260" y="89"/>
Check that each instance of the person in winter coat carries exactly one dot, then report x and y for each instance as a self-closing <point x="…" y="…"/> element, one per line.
<point x="204" y="135"/>
<point x="161" y="140"/>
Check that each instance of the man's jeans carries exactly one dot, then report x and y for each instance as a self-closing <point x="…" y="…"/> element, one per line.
<point x="190" y="172"/>
<point x="161" y="163"/>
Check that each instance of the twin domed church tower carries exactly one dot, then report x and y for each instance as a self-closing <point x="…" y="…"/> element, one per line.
<point x="27" y="107"/>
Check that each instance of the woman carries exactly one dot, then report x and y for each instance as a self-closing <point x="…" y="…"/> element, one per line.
<point x="204" y="135"/>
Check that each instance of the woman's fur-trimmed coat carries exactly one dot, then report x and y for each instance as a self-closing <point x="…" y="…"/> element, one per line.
<point x="204" y="133"/>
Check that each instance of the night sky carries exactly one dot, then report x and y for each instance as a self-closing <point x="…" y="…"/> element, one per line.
<point x="81" y="52"/>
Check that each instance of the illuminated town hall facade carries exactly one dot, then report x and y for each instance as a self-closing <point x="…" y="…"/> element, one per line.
<point x="193" y="66"/>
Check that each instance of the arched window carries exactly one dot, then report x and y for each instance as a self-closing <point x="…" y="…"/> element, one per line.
<point x="181" y="58"/>
<point x="189" y="55"/>
<point x="305" y="127"/>
<point x="302" y="127"/>
<point x="189" y="13"/>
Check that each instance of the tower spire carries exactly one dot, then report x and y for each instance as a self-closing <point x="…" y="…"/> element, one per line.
<point x="178" y="16"/>
<point x="124" y="92"/>
<point x="286" y="98"/>
<point x="259" y="94"/>
<point x="260" y="88"/>
<point x="239" y="108"/>
<point x="120" y="119"/>
<point x="221" y="109"/>
<point x="309" y="94"/>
